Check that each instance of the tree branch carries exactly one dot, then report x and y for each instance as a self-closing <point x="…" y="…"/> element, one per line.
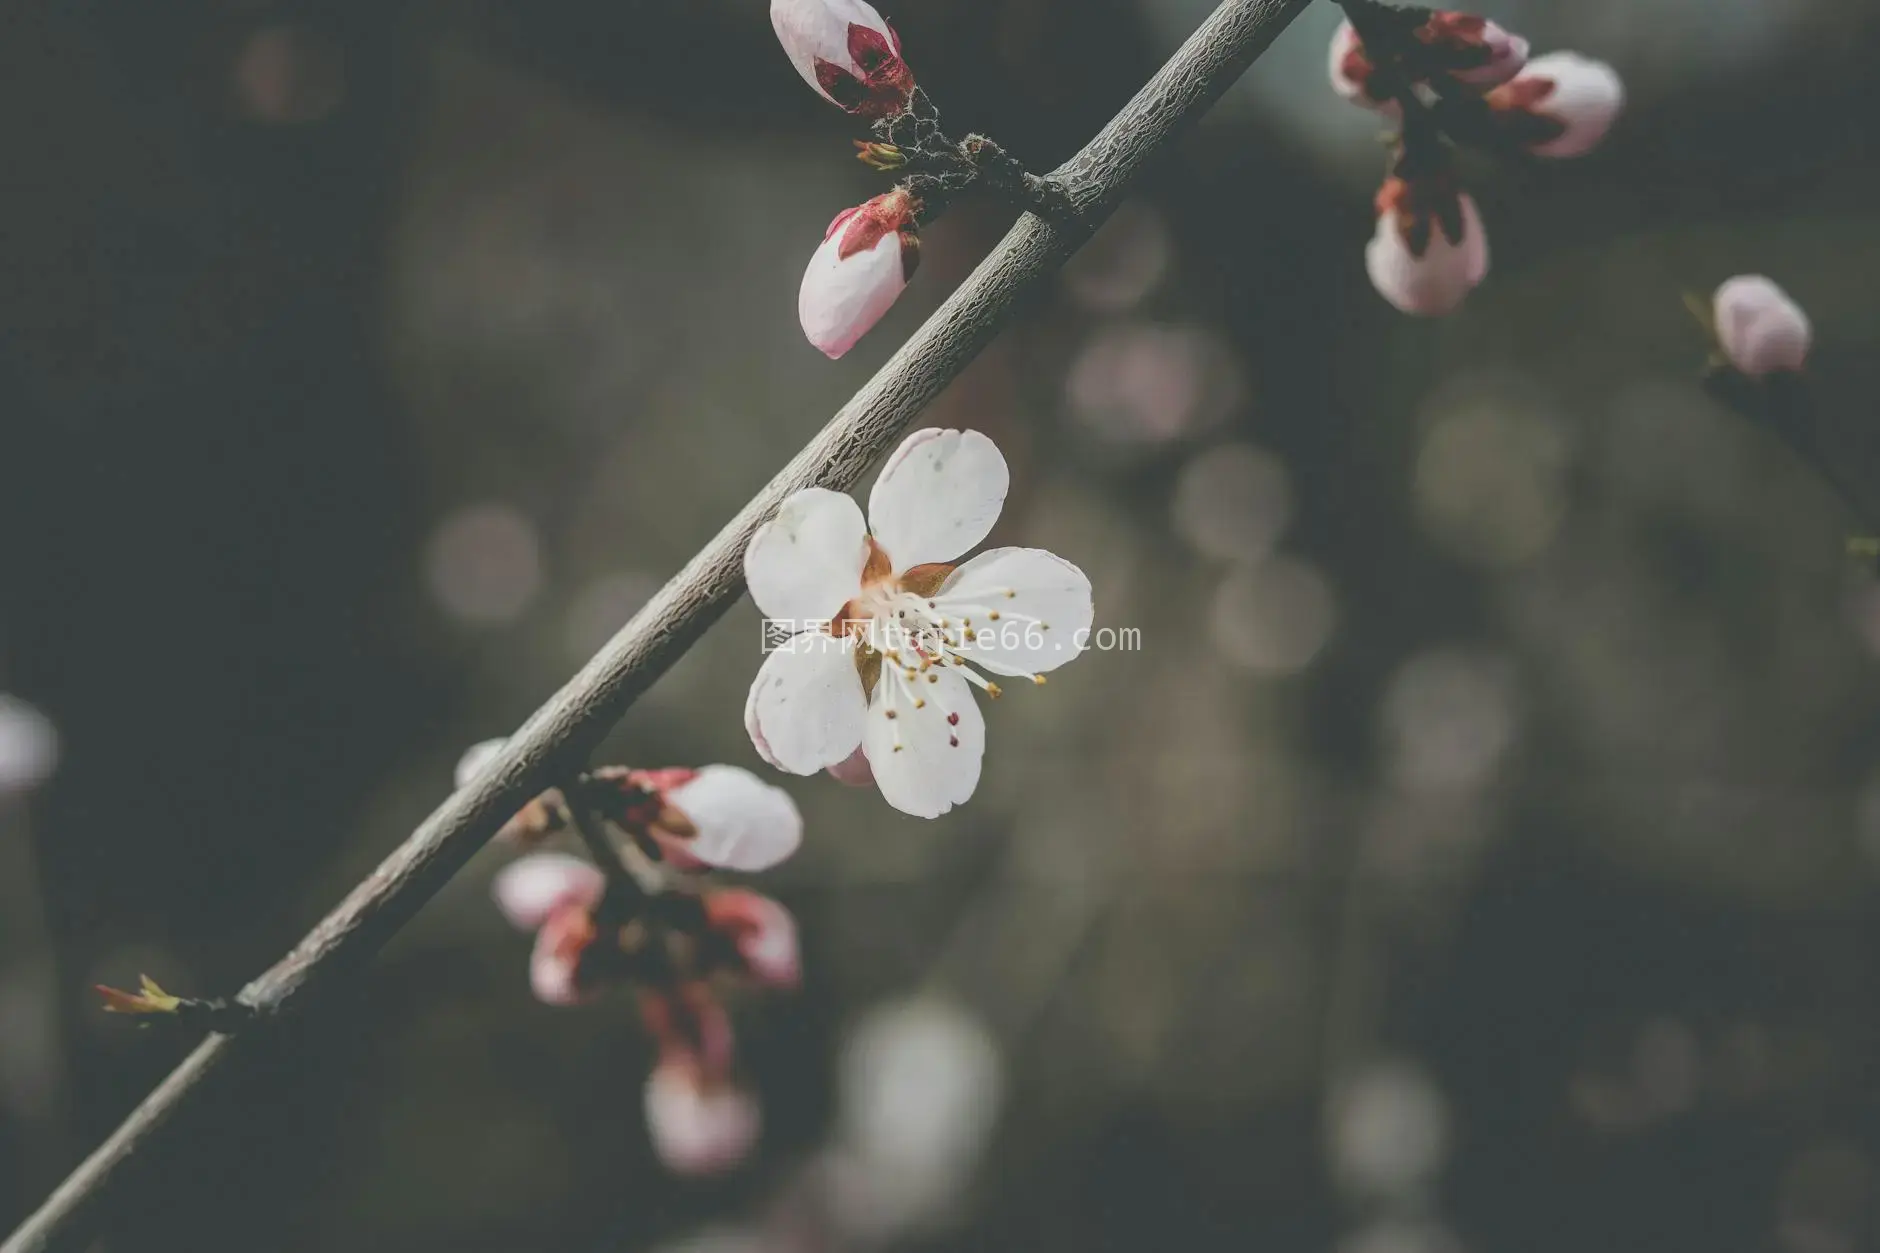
<point x="554" y="743"/>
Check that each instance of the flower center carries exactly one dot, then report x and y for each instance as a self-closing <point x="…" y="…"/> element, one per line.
<point x="908" y="638"/>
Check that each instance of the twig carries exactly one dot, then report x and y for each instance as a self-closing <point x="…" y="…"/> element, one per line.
<point x="556" y="740"/>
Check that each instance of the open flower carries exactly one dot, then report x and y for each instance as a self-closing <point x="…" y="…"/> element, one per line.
<point x="846" y="52"/>
<point x="1761" y="330"/>
<point x="1561" y="105"/>
<point x="699" y="1125"/>
<point x="1430" y="250"/>
<point x="760" y="931"/>
<point x="553" y="895"/>
<point x="1471" y="49"/>
<point x="866" y="260"/>
<point x="721" y="816"/>
<point x="891" y="636"/>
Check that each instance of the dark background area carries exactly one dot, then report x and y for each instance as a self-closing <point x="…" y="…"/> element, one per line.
<point x="1480" y="851"/>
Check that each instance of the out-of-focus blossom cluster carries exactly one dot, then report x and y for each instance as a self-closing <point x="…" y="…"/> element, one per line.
<point x="645" y="923"/>
<point x="1460" y="75"/>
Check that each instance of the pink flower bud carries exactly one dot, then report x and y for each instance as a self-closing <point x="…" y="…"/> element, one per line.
<point x="698" y="1126"/>
<point x="1472" y="49"/>
<point x="846" y="52"/>
<point x="555" y="894"/>
<point x="761" y="931"/>
<point x="737" y="821"/>
<point x="1352" y="72"/>
<point x="1561" y="105"/>
<point x="1762" y="331"/>
<point x="1430" y="249"/>
<point x="866" y="259"/>
<point x="529" y="889"/>
<point x="555" y="964"/>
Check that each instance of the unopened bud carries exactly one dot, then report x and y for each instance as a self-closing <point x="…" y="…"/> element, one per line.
<point x="1761" y="330"/>
<point x="866" y="259"/>
<point x="1471" y="49"/>
<point x="1430" y="250"/>
<point x="1561" y="105"/>
<point x="846" y="52"/>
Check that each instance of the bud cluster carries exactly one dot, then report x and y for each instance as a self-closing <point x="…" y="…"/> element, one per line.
<point x="849" y="54"/>
<point x="1442" y="75"/>
<point x="640" y="917"/>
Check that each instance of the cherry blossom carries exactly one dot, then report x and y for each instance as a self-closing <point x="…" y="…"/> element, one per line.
<point x="1761" y="330"/>
<point x="892" y="637"/>
<point x="554" y="895"/>
<point x="844" y="50"/>
<point x="866" y="259"/>
<point x="1560" y="105"/>
<point x="1430" y="250"/>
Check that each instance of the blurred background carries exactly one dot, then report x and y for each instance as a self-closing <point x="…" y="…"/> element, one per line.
<point x="1479" y="853"/>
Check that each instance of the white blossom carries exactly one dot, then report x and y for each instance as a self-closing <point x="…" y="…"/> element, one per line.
<point x="892" y="638"/>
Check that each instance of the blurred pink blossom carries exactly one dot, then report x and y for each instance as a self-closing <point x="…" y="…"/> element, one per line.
<point x="1762" y="331"/>
<point x="1430" y="250"/>
<point x="1561" y="105"/>
<point x="761" y="931"/>
<point x="699" y="1126"/>
<point x="555" y="895"/>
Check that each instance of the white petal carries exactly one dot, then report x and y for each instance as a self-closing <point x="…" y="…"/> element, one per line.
<point x="807" y="704"/>
<point x="698" y="1129"/>
<point x="1436" y="283"/>
<point x="475" y="758"/>
<point x="1043" y="605"/>
<point x="940" y="743"/>
<point x="743" y="823"/>
<point x="843" y="297"/>
<point x="853" y="771"/>
<point x="528" y="890"/>
<point x="937" y="497"/>
<point x="756" y="732"/>
<point x="1586" y="98"/>
<point x="819" y="29"/>
<point x="804" y="564"/>
<point x="1760" y="328"/>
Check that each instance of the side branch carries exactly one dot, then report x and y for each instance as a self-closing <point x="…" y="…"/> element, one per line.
<point x="555" y="742"/>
